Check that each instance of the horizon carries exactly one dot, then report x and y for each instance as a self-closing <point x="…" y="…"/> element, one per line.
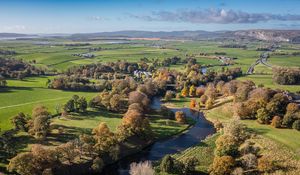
<point x="91" y="16"/>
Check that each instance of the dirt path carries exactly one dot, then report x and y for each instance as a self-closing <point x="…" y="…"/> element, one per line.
<point x="23" y="104"/>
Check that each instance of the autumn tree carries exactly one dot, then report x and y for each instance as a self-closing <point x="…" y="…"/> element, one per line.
<point x="184" y="91"/>
<point x="226" y="145"/>
<point x="140" y="98"/>
<point x="105" y="141"/>
<point x="276" y="122"/>
<point x="169" y="95"/>
<point x="193" y="103"/>
<point x="180" y="117"/>
<point x="222" y="165"/>
<point x="20" y="122"/>
<point x="192" y="91"/>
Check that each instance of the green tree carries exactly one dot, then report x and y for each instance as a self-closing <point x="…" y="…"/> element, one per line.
<point x="20" y="122"/>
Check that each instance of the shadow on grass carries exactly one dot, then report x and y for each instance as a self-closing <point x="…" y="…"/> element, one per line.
<point x="93" y="114"/>
<point x="12" y="88"/>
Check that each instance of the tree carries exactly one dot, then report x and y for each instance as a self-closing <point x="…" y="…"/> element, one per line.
<point x="167" y="164"/>
<point x="105" y="141"/>
<point x="189" y="164"/>
<point x="209" y="103"/>
<point x="263" y="116"/>
<point x="193" y="103"/>
<point x="249" y="161"/>
<point x="184" y="91"/>
<point x="236" y="129"/>
<point x="222" y="165"/>
<point x="180" y="117"/>
<point x="169" y="95"/>
<point x="82" y="104"/>
<point x="276" y="122"/>
<point x="40" y="110"/>
<point x="296" y="125"/>
<point x="69" y="106"/>
<point x="20" y="122"/>
<point x="23" y="163"/>
<point x="41" y="126"/>
<point x="97" y="165"/>
<point x="192" y="91"/>
<point x="37" y="161"/>
<point x="116" y="102"/>
<point x="203" y="99"/>
<point x="139" y="97"/>
<point x="68" y="152"/>
<point x="141" y="168"/>
<point x="226" y="145"/>
<point x="266" y="164"/>
<point x="200" y="91"/>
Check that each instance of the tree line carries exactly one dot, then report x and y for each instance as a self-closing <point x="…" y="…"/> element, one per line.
<point x="13" y="68"/>
<point x="286" y="75"/>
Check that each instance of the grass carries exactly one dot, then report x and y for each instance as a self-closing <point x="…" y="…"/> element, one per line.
<point x="204" y="152"/>
<point x="286" y="137"/>
<point x="267" y="81"/>
<point x="223" y="112"/>
<point x="22" y="96"/>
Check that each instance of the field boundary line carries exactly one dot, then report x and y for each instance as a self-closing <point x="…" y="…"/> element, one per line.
<point x="23" y="104"/>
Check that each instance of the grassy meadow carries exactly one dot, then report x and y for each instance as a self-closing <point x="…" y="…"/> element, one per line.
<point x="22" y="96"/>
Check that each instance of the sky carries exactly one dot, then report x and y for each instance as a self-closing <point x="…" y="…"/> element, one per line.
<point x="87" y="16"/>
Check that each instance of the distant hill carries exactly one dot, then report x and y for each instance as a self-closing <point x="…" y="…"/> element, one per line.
<point x="13" y="35"/>
<point x="148" y="34"/>
<point x="271" y="35"/>
<point x="267" y="35"/>
<point x="292" y="36"/>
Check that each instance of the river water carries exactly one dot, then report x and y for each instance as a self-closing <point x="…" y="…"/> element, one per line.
<point x="159" y="149"/>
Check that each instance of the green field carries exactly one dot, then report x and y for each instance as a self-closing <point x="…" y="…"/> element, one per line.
<point x="22" y="96"/>
<point x="267" y="81"/>
<point x="285" y="137"/>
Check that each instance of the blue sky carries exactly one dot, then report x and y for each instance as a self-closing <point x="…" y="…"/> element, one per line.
<point x="74" y="16"/>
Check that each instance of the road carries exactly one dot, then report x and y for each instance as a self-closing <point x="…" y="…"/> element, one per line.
<point x="263" y="59"/>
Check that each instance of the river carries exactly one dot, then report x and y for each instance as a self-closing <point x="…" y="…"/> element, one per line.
<point x="159" y="149"/>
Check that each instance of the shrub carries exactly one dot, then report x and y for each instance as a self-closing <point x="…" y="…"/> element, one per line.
<point x="226" y="145"/>
<point x="167" y="164"/>
<point x="218" y="125"/>
<point x="189" y="165"/>
<point x="263" y="116"/>
<point x="222" y="165"/>
<point x="193" y="103"/>
<point x="98" y="164"/>
<point x="266" y="164"/>
<point x="209" y="103"/>
<point x="296" y="125"/>
<point x="249" y="161"/>
<point x="169" y="95"/>
<point x="288" y="120"/>
<point x="276" y="122"/>
<point x="142" y="168"/>
<point x="236" y="129"/>
<point x="180" y="117"/>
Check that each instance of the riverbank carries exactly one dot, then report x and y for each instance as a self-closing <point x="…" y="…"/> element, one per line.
<point x="280" y="144"/>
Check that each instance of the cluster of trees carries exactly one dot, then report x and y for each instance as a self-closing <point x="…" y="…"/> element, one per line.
<point x="99" y="71"/>
<point x="236" y="154"/>
<point x="286" y="76"/>
<point x="75" y="83"/>
<point x="76" y="104"/>
<point x="233" y="46"/>
<point x="13" y="68"/>
<point x="3" y="82"/>
<point x="185" y="166"/>
<point x="7" y="52"/>
<point x="38" y="125"/>
<point x="265" y="105"/>
<point x="96" y="149"/>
